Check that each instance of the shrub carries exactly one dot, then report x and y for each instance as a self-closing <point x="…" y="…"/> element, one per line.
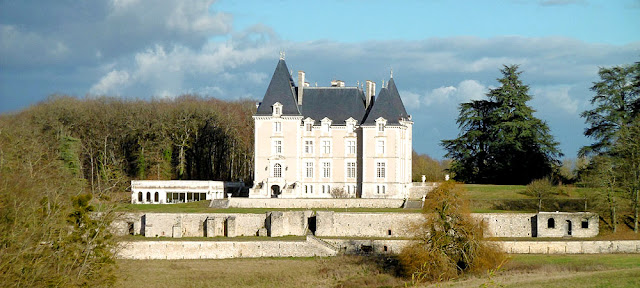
<point x="449" y="242"/>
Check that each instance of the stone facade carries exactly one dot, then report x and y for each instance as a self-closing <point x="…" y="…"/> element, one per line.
<point x="312" y="141"/>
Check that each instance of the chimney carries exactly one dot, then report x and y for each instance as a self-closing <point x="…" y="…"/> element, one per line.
<point x="301" y="85"/>
<point x="370" y="92"/>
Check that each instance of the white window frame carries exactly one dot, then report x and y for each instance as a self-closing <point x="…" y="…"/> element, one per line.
<point x="276" y="147"/>
<point x="308" y="170"/>
<point x="308" y="127"/>
<point x="326" y="169"/>
<point x="277" y="127"/>
<point x="351" y="169"/>
<point x="276" y="171"/>
<point x="381" y="170"/>
<point x="326" y="146"/>
<point x="308" y="146"/>
<point x="351" y="146"/>
<point x="277" y="109"/>
<point x="381" y="146"/>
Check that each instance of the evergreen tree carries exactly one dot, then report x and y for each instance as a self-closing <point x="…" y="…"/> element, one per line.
<point x="501" y="142"/>
<point x="614" y="124"/>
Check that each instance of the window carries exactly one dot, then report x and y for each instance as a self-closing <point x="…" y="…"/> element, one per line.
<point x="381" y="189"/>
<point x="326" y="169"/>
<point x="277" y="126"/>
<point x="139" y="196"/>
<point x="381" y="170"/>
<point x="326" y="189"/>
<point x="309" y="170"/>
<point x="351" y="170"/>
<point x="277" y="170"/>
<point x="325" y="127"/>
<point x="277" y="146"/>
<point x="351" y="146"/>
<point x="308" y="127"/>
<point x="551" y="223"/>
<point x="148" y="196"/>
<point x="380" y="127"/>
<point x="306" y="189"/>
<point x="585" y="224"/>
<point x="350" y="127"/>
<point x="308" y="146"/>
<point x="326" y="147"/>
<point x="156" y="197"/>
<point x="380" y="147"/>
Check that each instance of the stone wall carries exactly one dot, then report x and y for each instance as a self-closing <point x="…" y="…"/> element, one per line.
<point x="221" y="249"/>
<point x="314" y="203"/>
<point x="340" y="224"/>
<point x="346" y="224"/>
<point x="202" y="225"/>
<point x="507" y="224"/>
<point x="331" y="247"/>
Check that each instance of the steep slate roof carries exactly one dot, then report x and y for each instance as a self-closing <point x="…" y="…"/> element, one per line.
<point x="281" y="89"/>
<point x="335" y="103"/>
<point x="388" y="105"/>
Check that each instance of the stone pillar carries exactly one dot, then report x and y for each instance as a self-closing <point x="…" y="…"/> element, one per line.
<point x="231" y="226"/>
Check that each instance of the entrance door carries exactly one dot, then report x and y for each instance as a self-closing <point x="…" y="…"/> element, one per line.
<point x="275" y="191"/>
<point x="569" y="227"/>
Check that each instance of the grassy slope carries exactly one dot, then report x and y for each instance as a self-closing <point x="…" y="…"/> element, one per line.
<point x="610" y="270"/>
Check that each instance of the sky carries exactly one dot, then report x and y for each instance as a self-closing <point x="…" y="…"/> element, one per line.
<point x="442" y="52"/>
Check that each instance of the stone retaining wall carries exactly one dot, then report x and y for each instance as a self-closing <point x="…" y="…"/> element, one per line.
<point x="314" y="203"/>
<point x="221" y="249"/>
<point x="322" y="247"/>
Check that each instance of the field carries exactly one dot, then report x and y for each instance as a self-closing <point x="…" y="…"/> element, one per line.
<point x="609" y="270"/>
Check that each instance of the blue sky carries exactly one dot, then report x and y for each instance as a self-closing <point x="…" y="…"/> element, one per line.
<point x="442" y="52"/>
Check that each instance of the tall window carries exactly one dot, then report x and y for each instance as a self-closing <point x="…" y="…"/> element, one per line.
<point x="350" y="127"/>
<point x="381" y="170"/>
<point x="309" y="127"/>
<point x="351" y="146"/>
<point x="309" y="170"/>
<point x="381" y="189"/>
<point x="380" y="127"/>
<point x="326" y="169"/>
<point x="326" y="147"/>
<point x="277" y="170"/>
<point x="308" y="146"/>
<point x="326" y="189"/>
<point x="277" y="110"/>
<point x="325" y="127"/>
<point x="277" y="146"/>
<point x="351" y="170"/>
<point x="380" y="147"/>
<point x="277" y="126"/>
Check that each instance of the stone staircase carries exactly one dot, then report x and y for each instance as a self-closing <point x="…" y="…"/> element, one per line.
<point x="326" y="248"/>
<point x="420" y="189"/>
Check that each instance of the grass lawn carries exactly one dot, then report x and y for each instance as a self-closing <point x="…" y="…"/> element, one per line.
<point x="605" y="270"/>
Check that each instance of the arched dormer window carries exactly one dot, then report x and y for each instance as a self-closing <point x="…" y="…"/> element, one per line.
<point x="277" y="170"/>
<point x="277" y="109"/>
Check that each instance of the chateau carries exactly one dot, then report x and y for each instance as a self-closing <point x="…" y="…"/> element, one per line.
<point x="323" y="142"/>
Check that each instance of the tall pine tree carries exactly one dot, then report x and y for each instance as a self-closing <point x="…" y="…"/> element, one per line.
<point x="501" y="142"/>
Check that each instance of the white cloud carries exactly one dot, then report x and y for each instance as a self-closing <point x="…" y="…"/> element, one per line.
<point x="113" y="82"/>
<point x="557" y="97"/>
<point x="410" y="99"/>
<point x="465" y="91"/>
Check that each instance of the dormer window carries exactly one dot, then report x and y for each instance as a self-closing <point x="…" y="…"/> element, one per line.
<point x="380" y="124"/>
<point x="325" y="124"/>
<point x="277" y="109"/>
<point x="308" y="124"/>
<point x="351" y="125"/>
